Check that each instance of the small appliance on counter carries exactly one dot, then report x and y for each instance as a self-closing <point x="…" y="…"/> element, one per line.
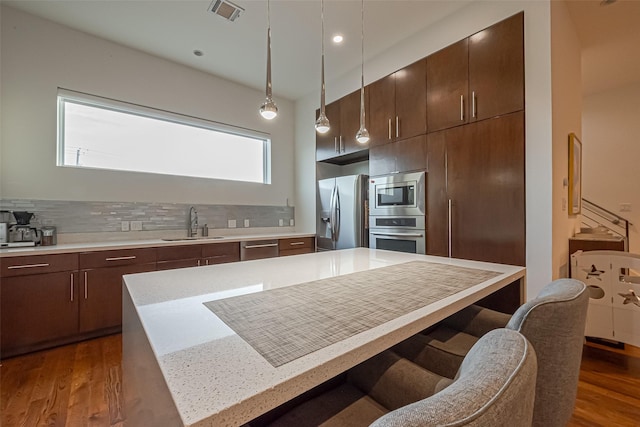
<point x="49" y="236"/>
<point x="22" y="233"/>
<point x="5" y="221"/>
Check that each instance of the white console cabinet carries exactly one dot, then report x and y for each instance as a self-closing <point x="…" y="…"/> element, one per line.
<point x="613" y="279"/>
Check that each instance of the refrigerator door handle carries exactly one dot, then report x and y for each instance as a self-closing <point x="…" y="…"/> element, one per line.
<point x="336" y="224"/>
<point x="332" y="218"/>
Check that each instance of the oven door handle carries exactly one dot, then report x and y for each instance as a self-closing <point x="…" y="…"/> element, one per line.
<point x="379" y="233"/>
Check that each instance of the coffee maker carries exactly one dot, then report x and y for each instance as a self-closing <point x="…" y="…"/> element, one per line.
<point x="23" y="233"/>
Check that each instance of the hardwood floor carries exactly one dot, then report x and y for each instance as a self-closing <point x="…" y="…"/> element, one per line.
<point x="80" y="385"/>
<point x="74" y="385"/>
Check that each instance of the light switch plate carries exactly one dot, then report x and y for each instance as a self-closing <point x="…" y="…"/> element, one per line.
<point x="292" y="222"/>
<point x="281" y="222"/>
<point x="246" y="223"/>
<point x="136" y="225"/>
<point x="124" y="225"/>
<point x="231" y="223"/>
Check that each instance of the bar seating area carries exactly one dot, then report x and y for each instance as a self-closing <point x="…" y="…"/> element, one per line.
<point x="477" y="367"/>
<point x="495" y="386"/>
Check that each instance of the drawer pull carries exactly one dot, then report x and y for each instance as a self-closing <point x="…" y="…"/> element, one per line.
<point x="120" y="258"/>
<point x="267" y="245"/>
<point x="17" y="267"/>
<point x="296" y="243"/>
<point x="86" y="283"/>
<point x="71" y="287"/>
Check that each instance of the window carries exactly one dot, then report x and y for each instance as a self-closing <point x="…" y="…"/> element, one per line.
<point x="101" y="133"/>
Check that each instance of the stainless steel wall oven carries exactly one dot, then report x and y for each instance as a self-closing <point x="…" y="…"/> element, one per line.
<point x="397" y="212"/>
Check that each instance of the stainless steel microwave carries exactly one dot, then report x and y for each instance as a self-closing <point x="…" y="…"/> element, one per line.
<point x="397" y="194"/>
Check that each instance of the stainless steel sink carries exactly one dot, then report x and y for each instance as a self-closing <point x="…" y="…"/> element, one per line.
<point x="180" y="239"/>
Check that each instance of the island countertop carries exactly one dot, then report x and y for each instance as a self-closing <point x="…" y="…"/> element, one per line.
<point x="184" y="365"/>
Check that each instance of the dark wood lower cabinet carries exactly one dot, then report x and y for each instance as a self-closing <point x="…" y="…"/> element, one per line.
<point x="101" y="297"/>
<point x="38" y="311"/>
<point x="484" y="201"/>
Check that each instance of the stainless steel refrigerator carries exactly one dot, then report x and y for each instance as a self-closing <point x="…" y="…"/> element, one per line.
<point x="342" y="212"/>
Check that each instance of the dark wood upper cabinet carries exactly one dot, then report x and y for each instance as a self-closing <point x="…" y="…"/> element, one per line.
<point x="496" y="69"/>
<point x="339" y="145"/>
<point x="448" y="87"/>
<point x="382" y="95"/>
<point x="327" y="143"/>
<point x="397" y="105"/>
<point x="350" y="123"/>
<point x="411" y="101"/>
<point x="402" y="156"/>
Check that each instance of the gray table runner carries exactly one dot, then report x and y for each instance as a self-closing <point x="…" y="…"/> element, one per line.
<point x="287" y="323"/>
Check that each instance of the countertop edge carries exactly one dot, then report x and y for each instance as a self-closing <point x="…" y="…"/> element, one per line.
<point x="139" y="244"/>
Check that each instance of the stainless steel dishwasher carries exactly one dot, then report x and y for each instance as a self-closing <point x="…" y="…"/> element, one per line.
<point x="257" y="249"/>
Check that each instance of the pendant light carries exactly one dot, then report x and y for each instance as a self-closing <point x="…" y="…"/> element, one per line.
<point x="322" y="124"/>
<point x="362" y="136"/>
<point x="269" y="110"/>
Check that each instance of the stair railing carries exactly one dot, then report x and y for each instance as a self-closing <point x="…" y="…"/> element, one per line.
<point x="594" y="215"/>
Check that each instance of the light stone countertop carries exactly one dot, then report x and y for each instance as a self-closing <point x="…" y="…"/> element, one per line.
<point x="103" y="245"/>
<point x="206" y="375"/>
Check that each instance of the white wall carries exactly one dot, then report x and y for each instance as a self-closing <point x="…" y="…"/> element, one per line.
<point x="473" y="18"/>
<point x="611" y="152"/>
<point x="38" y="56"/>
<point x="567" y="118"/>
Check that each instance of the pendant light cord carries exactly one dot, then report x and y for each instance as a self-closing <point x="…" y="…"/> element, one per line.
<point x="362" y="65"/>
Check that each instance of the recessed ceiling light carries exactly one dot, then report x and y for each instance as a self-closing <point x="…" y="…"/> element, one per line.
<point x="338" y="39"/>
<point x="198" y="52"/>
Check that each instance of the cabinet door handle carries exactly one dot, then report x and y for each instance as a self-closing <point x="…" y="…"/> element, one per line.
<point x="296" y="243"/>
<point x="341" y="145"/>
<point x="267" y="245"/>
<point x="198" y="263"/>
<point x="86" y="285"/>
<point x="206" y="262"/>
<point x="473" y="104"/>
<point x="461" y="108"/>
<point x="397" y="127"/>
<point x="449" y="226"/>
<point x="120" y="258"/>
<point x="335" y="144"/>
<point x="71" y="287"/>
<point x="389" y="128"/>
<point x="17" y="267"/>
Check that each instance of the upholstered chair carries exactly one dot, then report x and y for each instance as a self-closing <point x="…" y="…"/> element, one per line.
<point x="554" y="324"/>
<point x="495" y="386"/>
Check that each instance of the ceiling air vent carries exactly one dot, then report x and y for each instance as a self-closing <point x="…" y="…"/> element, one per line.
<point x="226" y="9"/>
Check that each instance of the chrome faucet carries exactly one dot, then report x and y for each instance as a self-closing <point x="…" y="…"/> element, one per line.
<point x="192" y="227"/>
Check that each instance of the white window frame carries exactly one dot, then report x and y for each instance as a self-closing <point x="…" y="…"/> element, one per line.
<point x="65" y="95"/>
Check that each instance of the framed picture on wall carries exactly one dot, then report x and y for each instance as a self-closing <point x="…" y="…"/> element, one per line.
<point x="575" y="174"/>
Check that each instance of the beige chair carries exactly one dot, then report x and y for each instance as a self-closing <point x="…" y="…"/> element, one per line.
<point x="553" y="323"/>
<point x="495" y="386"/>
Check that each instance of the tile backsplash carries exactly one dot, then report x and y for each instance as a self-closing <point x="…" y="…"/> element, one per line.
<point x="104" y="217"/>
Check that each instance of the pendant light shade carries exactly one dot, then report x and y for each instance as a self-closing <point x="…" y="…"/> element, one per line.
<point x="362" y="136"/>
<point x="322" y="124"/>
<point x="268" y="109"/>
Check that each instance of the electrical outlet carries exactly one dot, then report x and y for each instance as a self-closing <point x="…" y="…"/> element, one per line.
<point x="124" y="225"/>
<point x="231" y="223"/>
<point x="136" y="225"/>
<point x="625" y="207"/>
<point x="292" y="222"/>
<point x="246" y="223"/>
<point x="564" y="204"/>
<point x="281" y="222"/>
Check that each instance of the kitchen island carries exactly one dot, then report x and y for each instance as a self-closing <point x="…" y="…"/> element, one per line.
<point x="224" y="344"/>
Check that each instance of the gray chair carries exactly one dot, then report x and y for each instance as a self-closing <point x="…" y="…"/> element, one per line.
<point x="554" y="324"/>
<point x="494" y="386"/>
